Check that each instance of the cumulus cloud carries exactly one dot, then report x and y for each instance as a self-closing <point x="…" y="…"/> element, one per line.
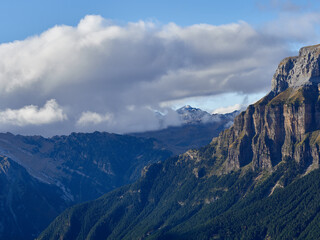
<point x="33" y="115"/>
<point x="93" y="118"/>
<point x="127" y="71"/>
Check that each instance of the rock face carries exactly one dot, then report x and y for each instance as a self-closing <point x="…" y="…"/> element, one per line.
<point x="283" y="125"/>
<point x="298" y="71"/>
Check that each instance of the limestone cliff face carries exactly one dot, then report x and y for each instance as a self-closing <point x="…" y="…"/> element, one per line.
<point x="283" y="126"/>
<point x="298" y="71"/>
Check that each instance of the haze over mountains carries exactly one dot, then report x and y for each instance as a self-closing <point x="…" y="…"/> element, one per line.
<point x="197" y="129"/>
<point x="40" y="177"/>
<point x="258" y="179"/>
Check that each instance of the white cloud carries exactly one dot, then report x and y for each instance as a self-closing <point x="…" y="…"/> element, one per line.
<point x="228" y="109"/>
<point x="99" y="67"/>
<point x="132" y="119"/>
<point x="99" y="53"/>
<point x="32" y="115"/>
<point x="93" y="118"/>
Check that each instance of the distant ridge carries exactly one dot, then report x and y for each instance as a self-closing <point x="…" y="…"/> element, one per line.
<point x="197" y="129"/>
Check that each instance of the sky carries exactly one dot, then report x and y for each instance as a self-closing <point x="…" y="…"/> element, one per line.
<point x="80" y="66"/>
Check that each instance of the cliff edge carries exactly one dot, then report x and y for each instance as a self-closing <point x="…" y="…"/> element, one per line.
<point x="298" y="71"/>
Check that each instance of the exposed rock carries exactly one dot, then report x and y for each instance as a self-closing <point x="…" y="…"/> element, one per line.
<point x="283" y="126"/>
<point x="298" y="71"/>
<point x="273" y="130"/>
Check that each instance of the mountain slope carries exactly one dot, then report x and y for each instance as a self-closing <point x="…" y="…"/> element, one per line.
<point x="83" y="165"/>
<point x="40" y="177"/>
<point x="228" y="207"/>
<point x="74" y="169"/>
<point x="27" y="205"/>
<point x="257" y="180"/>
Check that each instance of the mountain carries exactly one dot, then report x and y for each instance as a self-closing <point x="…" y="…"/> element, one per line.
<point x="197" y="129"/>
<point x="64" y="170"/>
<point x="40" y="177"/>
<point x="258" y="179"/>
<point x="83" y="165"/>
<point x="27" y="205"/>
<point x="190" y="115"/>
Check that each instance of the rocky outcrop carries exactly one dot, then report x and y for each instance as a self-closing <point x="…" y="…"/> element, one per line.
<point x="283" y="125"/>
<point x="298" y="71"/>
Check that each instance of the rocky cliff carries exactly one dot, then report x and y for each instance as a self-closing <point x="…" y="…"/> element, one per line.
<point x="298" y="71"/>
<point x="283" y="125"/>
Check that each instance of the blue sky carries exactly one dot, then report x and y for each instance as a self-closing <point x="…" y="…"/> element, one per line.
<point x="109" y="65"/>
<point x="20" y="19"/>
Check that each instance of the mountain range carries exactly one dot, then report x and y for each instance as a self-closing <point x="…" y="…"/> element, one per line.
<point x="259" y="179"/>
<point x="40" y="177"/>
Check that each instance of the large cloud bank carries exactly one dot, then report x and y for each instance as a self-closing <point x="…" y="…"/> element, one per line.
<point x="104" y="76"/>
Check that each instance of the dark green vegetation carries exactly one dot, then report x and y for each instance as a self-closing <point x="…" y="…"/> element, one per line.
<point x="170" y="202"/>
<point x="257" y="180"/>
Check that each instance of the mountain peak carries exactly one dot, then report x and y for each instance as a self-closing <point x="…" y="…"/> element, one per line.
<point x="188" y="108"/>
<point x="190" y="115"/>
<point x="298" y="71"/>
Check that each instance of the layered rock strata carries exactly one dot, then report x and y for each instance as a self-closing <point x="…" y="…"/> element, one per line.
<point x="283" y="125"/>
